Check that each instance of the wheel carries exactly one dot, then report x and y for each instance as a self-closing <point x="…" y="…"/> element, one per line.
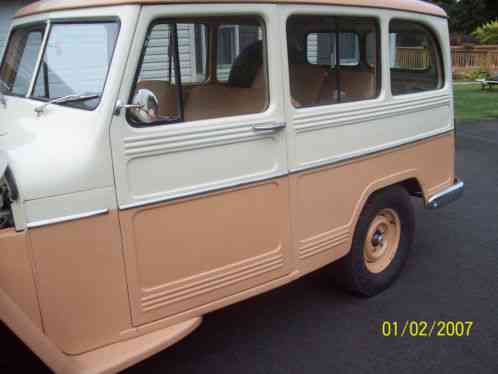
<point x="381" y="243"/>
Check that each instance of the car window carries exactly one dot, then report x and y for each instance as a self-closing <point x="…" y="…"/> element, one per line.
<point x="174" y="83"/>
<point x="20" y="60"/>
<point x="415" y="58"/>
<point x="332" y="60"/>
<point x="76" y="61"/>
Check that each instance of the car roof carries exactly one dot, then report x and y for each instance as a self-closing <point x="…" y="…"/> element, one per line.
<point x="417" y="6"/>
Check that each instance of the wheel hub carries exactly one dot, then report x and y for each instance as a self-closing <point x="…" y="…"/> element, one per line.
<point x="378" y="239"/>
<point x="382" y="241"/>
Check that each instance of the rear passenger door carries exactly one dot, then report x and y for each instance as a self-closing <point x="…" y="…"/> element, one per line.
<point x="359" y="82"/>
<point x="201" y="174"/>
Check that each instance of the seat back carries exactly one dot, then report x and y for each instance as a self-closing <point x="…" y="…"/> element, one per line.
<point x="220" y="100"/>
<point x="358" y="85"/>
<point x="306" y="82"/>
<point x="244" y="93"/>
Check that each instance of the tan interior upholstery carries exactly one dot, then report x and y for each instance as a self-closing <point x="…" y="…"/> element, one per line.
<point x="210" y="100"/>
<point x="165" y="93"/>
<point x="306" y="81"/>
<point x="220" y="100"/>
<point x="311" y="86"/>
<point x="358" y="85"/>
<point x="244" y="93"/>
<point x="260" y="80"/>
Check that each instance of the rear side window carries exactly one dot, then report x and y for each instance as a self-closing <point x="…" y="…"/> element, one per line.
<point x="332" y="59"/>
<point x="415" y="58"/>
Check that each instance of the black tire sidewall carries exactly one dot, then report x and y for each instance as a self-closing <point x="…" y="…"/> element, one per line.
<point x="397" y="199"/>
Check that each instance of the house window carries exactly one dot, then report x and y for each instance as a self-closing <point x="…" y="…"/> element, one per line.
<point x="232" y="39"/>
<point x="321" y="49"/>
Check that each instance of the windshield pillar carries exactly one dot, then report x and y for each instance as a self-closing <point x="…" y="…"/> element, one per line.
<point x="39" y="59"/>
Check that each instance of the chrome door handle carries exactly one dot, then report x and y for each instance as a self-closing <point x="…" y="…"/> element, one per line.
<point x="270" y="127"/>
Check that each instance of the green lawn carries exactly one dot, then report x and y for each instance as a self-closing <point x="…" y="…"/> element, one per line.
<point x="473" y="104"/>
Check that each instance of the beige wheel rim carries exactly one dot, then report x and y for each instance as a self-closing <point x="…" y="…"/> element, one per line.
<point x="382" y="241"/>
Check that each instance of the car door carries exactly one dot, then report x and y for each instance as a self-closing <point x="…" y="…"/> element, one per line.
<point x="203" y="201"/>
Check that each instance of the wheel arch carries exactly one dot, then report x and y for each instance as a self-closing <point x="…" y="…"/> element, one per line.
<point x="409" y="181"/>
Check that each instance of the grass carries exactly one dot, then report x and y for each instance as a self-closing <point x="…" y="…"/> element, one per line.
<point x="473" y="104"/>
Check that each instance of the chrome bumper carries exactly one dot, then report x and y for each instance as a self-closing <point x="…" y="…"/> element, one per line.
<point x="446" y="196"/>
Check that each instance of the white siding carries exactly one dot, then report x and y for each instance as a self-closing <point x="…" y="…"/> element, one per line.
<point x="156" y="61"/>
<point x="312" y="48"/>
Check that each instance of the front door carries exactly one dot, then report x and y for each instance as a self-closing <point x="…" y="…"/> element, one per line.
<point x="202" y="174"/>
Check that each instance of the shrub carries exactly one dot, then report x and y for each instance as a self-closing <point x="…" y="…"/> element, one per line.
<point x="487" y="33"/>
<point x="474" y="74"/>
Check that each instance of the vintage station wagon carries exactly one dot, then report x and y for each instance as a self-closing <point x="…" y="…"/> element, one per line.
<point x="162" y="159"/>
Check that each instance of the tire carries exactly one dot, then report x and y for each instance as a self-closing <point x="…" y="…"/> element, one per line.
<point x="379" y="249"/>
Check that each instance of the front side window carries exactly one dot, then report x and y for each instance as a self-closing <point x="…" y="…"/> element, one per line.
<point x="184" y="77"/>
<point x="76" y="62"/>
<point x="20" y="60"/>
<point x="332" y="59"/>
<point x="416" y="64"/>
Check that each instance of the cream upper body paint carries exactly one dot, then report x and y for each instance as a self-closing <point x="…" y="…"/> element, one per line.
<point x="106" y="207"/>
<point x="62" y="158"/>
<point x="53" y="140"/>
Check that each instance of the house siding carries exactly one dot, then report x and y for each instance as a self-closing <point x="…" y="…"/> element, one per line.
<point x="156" y="62"/>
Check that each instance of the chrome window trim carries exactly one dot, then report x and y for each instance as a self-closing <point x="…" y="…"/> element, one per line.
<point x="44" y="43"/>
<point x="73" y="217"/>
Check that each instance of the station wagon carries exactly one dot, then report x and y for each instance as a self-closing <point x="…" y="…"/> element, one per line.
<point x="162" y="159"/>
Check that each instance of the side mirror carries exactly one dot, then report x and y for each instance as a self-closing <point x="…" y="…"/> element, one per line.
<point x="144" y="107"/>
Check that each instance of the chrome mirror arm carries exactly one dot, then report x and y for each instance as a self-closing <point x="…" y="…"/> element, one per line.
<point x="120" y="106"/>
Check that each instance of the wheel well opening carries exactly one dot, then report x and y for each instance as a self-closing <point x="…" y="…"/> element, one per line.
<point x="412" y="186"/>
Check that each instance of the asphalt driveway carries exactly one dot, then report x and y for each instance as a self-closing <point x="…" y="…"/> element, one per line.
<point x="311" y="327"/>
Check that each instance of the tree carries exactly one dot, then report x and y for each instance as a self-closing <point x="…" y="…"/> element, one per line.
<point x="467" y="15"/>
<point x="487" y="33"/>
